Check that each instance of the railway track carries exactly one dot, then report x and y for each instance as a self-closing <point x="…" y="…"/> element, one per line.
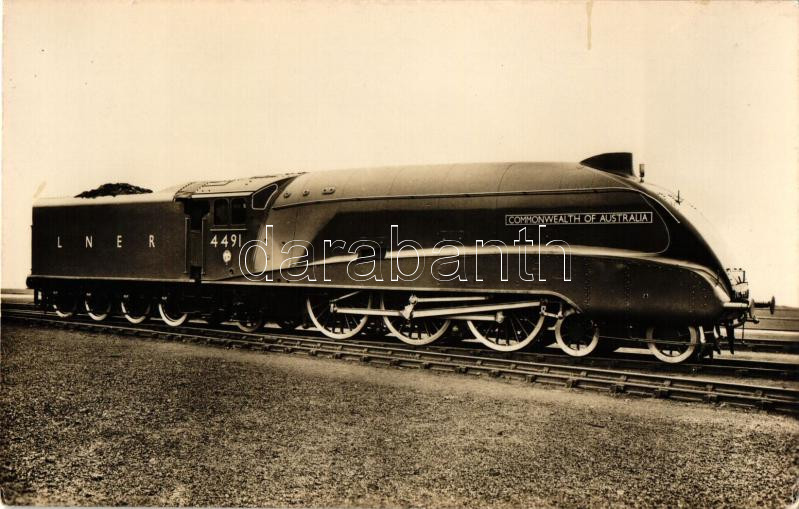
<point x="461" y="360"/>
<point x="779" y="334"/>
<point x="734" y="368"/>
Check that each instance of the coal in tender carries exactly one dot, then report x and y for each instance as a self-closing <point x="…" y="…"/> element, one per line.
<point x="113" y="190"/>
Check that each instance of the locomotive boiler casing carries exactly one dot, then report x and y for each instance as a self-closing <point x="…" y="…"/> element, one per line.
<point x="627" y="253"/>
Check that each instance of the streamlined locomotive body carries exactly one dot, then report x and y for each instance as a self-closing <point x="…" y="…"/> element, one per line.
<point x="583" y="254"/>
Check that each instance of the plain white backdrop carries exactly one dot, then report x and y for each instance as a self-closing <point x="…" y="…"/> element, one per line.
<point x="159" y="93"/>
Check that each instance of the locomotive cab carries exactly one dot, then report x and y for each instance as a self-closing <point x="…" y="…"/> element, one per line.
<point x="223" y="216"/>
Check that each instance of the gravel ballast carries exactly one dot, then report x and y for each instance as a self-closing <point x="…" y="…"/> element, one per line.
<point x="89" y="419"/>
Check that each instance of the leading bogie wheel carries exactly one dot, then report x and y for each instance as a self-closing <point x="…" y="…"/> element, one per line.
<point x="518" y="328"/>
<point x="673" y="344"/>
<point x="338" y="325"/>
<point x="170" y="312"/>
<point x="98" y="306"/>
<point x="576" y="335"/>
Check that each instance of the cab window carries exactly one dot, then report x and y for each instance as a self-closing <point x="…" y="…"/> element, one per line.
<point x="238" y="211"/>
<point x="221" y="212"/>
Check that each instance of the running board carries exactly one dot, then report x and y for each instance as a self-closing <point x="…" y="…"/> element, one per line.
<point x="454" y="313"/>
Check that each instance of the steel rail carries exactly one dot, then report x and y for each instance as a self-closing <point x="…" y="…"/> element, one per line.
<point x="789" y="345"/>
<point x="604" y="380"/>
<point x="735" y="368"/>
<point x="741" y="368"/>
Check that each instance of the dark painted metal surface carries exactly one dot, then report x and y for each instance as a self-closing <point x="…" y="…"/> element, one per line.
<point x="112" y="238"/>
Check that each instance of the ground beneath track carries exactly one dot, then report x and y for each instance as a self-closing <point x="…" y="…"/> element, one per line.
<point x="96" y="420"/>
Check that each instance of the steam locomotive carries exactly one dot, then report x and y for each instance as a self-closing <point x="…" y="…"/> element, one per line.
<point x="585" y="255"/>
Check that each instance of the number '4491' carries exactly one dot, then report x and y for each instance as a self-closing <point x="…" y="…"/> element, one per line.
<point x="232" y="240"/>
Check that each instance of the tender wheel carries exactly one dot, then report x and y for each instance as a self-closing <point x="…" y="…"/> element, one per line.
<point x="251" y="321"/>
<point x="576" y="335"/>
<point x="338" y="325"/>
<point x="170" y="312"/>
<point x="98" y="306"/>
<point x="135" y="309"/>
<point x="518" y="329"/>
<point x="416" y="331"/>
<point x="676" y="345"/>
<point x="65" y="306"/>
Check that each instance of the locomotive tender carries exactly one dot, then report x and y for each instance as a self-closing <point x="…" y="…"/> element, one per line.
<point x="519" y="253"/>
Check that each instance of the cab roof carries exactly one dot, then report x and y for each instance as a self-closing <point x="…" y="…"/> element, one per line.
<point x="233" y="187"/>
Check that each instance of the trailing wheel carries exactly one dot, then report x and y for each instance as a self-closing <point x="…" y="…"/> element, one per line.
<point x="332" y="323"/>
<point x="170" y="311"/>
<point x="673" y="344"/>
<point x="414" y="331"/>
<point x="65" y="305"/>
<point x="251" y="320"/>
<point x="135" y="308"/>
<point x="98" y="306"/>
<point x="576" y="335"/>
<point x="518" y="328"/>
